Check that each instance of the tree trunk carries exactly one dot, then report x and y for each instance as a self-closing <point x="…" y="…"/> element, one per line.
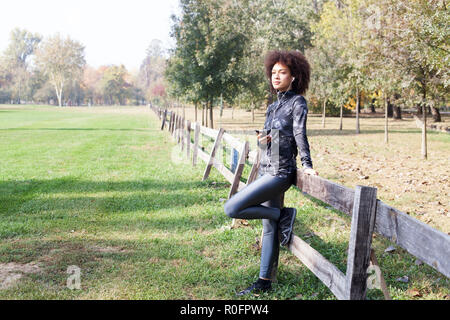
<point x="323" y="113"/>
<point x="436" y="114"/>
<point x="195" y="107"/>
<point x="357" y="110"/>
<point x="419" y="109"/>
<point x="253" y="113"/>
<point x="211" y="114"/>
<point x="372" y="106"/>
<point x="203" y="115"/>
<point x="390" y="109"/>
<point x="206" y="114"/>
<point x="397" y="112"/>
<point x="342" y="111"/>
<point x="386" y="139"/>
<point x="59" y="96"/>
<point x="424" y="132"/>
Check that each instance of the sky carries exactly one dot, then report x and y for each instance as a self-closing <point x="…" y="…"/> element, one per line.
<point x="112" y="31"/>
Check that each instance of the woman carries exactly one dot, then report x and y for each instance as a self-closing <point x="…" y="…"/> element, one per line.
<point x="284" y="132"/>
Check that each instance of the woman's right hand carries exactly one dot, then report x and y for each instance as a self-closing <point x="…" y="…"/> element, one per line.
<point x="263" y="139"/>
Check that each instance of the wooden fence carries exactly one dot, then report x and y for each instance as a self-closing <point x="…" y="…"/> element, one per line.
<point x="368" y="213"/>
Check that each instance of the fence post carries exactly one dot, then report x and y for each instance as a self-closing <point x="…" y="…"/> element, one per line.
<point x="170" y="122"/>
<point x="173" y="122"/>
<point x="213" y="153"/>
<point x="254" y="171"/>
<point x="239" y="169"/>
<point x="178" y="129"/>
<point x="182" y="133"/>
<point x="363" y="223"/>
<point x="196" y="138"/>
<point x="174" y="129"/>
<point x="188" y="138"/>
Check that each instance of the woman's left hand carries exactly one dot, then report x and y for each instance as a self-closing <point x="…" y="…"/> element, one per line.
<point x="310" y="171"/>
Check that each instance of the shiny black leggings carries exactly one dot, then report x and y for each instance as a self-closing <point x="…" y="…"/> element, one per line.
<point x="261" y="199"/>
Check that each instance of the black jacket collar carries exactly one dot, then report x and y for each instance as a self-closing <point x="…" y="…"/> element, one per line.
<point x="285" y="95"/>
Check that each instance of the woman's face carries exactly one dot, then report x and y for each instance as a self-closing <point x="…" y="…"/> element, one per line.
<point x="281" y="77"/>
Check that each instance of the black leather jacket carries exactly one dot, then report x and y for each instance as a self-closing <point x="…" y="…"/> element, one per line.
<point x="288" y="116"/>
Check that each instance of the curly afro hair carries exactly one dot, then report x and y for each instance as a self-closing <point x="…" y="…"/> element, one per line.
<point x="298" y="65"/>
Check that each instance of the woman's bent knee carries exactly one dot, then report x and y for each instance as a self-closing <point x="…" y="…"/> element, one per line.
<point x="230" y="209"/>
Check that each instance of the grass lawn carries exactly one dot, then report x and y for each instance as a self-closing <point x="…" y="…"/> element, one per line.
<point x="105" y="190"/>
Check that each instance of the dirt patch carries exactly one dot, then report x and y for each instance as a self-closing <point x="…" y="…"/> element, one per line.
<point x="11" y="273"/>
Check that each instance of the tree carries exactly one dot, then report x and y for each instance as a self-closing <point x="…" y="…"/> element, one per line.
<point x="151" y="71"/>
<point x="62" y="60"/>
<point x="206" y="46"/>
<point x="15" y="61"/>
<point x="334" y="77"/>
<point x="416" y="45"/>
<point x="221" y="46"/>
<point x="115" y="85"/>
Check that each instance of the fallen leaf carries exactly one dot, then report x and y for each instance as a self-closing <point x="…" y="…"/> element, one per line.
<point x="390" y="249"/>
<point x="415" y="292"/>
<point x="403" y="279"/>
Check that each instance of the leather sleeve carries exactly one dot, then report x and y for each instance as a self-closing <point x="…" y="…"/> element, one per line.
<point x="299" y="113"/>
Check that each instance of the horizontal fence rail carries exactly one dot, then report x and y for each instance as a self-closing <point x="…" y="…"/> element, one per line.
<point x="368" y="213"/>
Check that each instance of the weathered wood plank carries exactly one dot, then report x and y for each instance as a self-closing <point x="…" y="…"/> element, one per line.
<point x="358" y="258"/>
<point x="212" y="133"/>
<point x="254" y="170"/>
<point x="240" y="168"/>
<point x="422" y="241"/>
<point x="178" y="129"/>
<point x="331" y="276"/>
<point x="227" y="173"/>
<point x="213" y="153"/>
<point x="164" y="119"/>
<point x="337" y="196"/>
<point x="379" y="275"/>
<point x="232" y="141"/>
<point x="172" y="120"/>
<point x="202" y="155"/>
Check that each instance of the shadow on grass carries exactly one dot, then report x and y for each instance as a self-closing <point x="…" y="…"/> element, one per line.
<point x="72" y="129"/>
<point x="28" y="206"/>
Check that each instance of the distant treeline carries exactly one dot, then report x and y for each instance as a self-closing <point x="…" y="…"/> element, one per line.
<point x="54" y="71"/>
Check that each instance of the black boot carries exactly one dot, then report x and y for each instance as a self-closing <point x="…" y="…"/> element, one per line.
<point x="260" y="285"/>
<point x="286" y="225"/>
